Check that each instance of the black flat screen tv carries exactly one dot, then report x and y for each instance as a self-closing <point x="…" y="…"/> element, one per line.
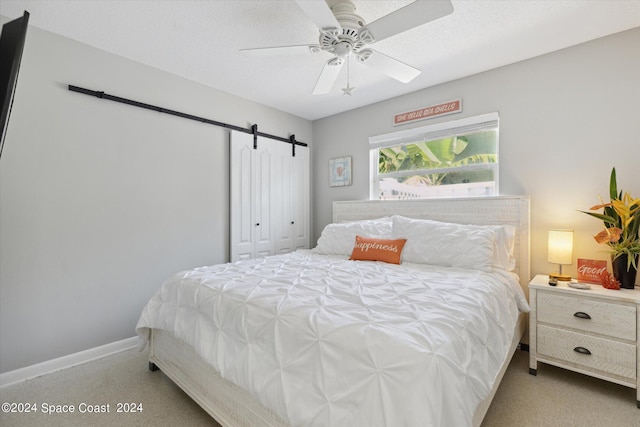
<point x="11" y="47"/>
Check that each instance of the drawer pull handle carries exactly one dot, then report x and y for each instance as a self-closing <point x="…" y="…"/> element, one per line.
<point x="581" y="315"/>
<point x="582" y="350"/>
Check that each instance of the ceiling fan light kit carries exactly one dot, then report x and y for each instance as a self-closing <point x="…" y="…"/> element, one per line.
<point x="343" y="34"/>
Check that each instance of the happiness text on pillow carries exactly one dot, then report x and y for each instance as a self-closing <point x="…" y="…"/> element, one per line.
<point x="365" y="246"/>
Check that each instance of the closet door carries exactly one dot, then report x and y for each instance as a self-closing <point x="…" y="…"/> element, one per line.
<point x="251" y="197"/>
<point x="283" y="212"/>
<point x="301" y="200"/>
<point x="263" y="197"/>
<point x="241" y="197"/>
<point x="291" y="184"/>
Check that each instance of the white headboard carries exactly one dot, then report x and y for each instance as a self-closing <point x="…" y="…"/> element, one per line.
<point x="513" y="210"/>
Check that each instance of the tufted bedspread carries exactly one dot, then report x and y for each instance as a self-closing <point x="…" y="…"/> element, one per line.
<point x="324" y="341"/>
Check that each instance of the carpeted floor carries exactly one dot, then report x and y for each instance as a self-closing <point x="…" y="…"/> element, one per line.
<point x="554" y="397"/>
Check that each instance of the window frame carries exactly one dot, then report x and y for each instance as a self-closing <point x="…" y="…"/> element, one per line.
<point x="430" y="133"/>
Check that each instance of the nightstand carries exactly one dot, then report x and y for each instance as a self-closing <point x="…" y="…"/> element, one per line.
<point x="591" y="331"/>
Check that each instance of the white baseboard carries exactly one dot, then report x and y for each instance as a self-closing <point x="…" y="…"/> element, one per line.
<point x="64" y="362"/>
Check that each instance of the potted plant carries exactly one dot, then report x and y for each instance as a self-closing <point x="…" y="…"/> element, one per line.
<point x="621" y="219"/>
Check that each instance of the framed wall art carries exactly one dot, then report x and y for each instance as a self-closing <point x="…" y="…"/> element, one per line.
<point x="340" y="172"/>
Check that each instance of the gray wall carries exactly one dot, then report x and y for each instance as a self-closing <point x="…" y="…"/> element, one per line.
<point x="566" y="119"/>
<point x="100" y="202"/>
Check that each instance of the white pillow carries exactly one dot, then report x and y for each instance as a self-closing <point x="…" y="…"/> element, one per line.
<point x="339" y="238"/>
<point x="445" y="244"/>
<point x="503" y="258"/>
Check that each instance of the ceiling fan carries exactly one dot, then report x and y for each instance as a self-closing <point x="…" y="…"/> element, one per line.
<point x="344" y="34"/>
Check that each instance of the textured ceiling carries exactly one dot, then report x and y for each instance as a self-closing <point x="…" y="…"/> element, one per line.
<point x="200" y="40"/>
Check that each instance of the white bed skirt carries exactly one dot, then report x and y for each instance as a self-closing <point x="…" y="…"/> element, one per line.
<point x="233" y="406"/>
<point x="227" y="403"/>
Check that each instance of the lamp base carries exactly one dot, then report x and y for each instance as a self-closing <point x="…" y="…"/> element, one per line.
<point x="560" y="277"/>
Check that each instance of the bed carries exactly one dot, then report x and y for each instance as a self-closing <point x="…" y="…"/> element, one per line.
<point x="314" y="338"/>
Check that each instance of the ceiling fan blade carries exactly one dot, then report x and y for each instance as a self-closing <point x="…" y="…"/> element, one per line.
<point x="328" y="76"/>
<point x="412" y="15"/>
<point x="282" y="50"/>
<point x="320" y="13"/>
<point x="390" y="66"/>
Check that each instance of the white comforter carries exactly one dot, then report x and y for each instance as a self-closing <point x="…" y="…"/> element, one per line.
<point x="323" y="341"/>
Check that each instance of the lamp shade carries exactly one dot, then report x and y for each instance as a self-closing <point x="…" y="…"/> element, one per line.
<point x="560" y="246"/>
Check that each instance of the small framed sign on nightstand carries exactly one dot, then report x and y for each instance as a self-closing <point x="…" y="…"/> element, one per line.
<point x="591" y="270"/>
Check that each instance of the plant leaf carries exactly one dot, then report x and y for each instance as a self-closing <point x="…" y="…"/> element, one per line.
<point x="613" y="185"/>
<point x="601" y="217"/>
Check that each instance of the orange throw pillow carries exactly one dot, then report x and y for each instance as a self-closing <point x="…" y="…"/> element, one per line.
<point x="371" y="249"/>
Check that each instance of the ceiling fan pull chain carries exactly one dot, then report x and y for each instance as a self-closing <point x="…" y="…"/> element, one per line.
<point x="347" y="90"/>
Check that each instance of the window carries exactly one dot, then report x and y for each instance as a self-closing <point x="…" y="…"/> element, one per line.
<point x="453" y="159"/>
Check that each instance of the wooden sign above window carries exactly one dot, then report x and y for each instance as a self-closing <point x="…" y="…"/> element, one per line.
<point x="430" y="112"/>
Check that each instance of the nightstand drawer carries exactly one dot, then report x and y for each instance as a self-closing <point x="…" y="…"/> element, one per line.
<point x="596" y="316"/>
<point x="608" y="356"/>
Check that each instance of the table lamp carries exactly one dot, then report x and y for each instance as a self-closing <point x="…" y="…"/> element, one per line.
<point x="560" y="251"/>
